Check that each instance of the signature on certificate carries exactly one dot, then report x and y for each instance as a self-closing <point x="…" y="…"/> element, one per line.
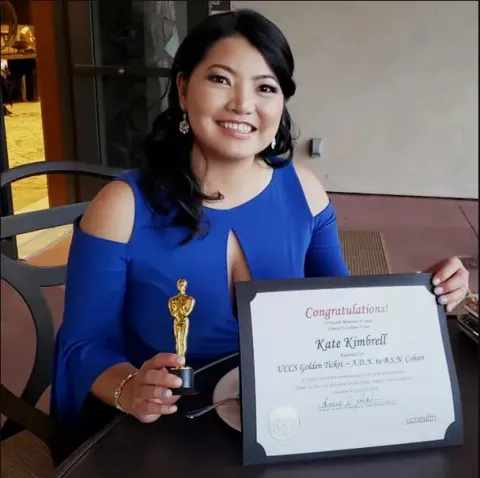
<point x="354" y="400"/>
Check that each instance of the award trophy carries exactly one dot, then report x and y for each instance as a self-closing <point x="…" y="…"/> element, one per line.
<point x="180" y="307"/>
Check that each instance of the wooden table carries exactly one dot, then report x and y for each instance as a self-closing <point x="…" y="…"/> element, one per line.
<point x="178" y="447"/>
<point x="19" y="56"/>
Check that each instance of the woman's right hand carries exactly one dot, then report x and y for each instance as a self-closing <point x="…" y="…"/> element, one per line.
<point x="151" y="393"/>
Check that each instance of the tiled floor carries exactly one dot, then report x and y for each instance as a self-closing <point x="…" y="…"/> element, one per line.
<point x="417" y="233"/>
<point x="35" y="242"/>
<point x="24" y="134"/>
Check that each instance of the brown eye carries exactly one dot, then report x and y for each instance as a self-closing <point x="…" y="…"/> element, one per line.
<point x="268" y="89"/>
<point x="218" y="79"/>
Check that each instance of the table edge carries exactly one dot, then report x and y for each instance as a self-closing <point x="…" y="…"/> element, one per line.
<point x="83" y="449"/>
<point x="62" y="470"/>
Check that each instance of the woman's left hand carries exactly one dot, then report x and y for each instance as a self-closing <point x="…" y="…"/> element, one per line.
<point x="450" y="279"/>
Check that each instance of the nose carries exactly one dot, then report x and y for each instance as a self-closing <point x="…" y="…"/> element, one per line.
<point x="242" y="101"/>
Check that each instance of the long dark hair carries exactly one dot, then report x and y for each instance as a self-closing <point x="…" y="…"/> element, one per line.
<point x="167" y="179"/>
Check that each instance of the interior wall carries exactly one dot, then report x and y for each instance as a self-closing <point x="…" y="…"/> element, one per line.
<point x="51" y="84"/>
<point x="22" y="10"/>
<point x="391" y="88"/>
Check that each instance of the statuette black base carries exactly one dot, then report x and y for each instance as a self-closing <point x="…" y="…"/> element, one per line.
<point x="186" y="374"/>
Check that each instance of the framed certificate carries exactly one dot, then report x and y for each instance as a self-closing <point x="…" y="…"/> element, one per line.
<point x="344" y="366"/>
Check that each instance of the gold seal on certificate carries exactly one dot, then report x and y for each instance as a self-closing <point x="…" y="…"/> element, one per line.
<point x="283" y="423"/>
<point x="368" y="352"/>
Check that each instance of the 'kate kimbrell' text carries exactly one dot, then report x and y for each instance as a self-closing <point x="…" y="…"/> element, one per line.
<point x="351" y="342"/>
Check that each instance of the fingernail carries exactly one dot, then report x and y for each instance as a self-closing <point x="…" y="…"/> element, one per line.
<point x="436" y="281"/>
<point x="178" y="382"/>
<point x="167" y="393"/>
<point x="173" y="408"/>
<point x="181" y="360"/>
<point x="438" y="290"/>
<point x="443" y="300"/>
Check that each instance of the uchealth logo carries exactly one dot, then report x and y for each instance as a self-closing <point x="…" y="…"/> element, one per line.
<point x="418" y="419"/>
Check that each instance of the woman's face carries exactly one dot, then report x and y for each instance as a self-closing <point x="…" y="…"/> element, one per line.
<point x="233" y="100"/>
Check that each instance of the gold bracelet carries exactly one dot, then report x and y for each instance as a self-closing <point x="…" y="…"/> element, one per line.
<point x="117" y="393"/>
<point x="471" y="295"/>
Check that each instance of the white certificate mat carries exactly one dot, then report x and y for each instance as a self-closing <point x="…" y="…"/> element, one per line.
<point x="344" y="365"/>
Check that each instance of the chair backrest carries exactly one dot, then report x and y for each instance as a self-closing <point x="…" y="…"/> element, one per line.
<point x="28" y="280"/>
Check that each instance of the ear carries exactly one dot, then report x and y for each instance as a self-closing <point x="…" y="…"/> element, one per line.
<point x="182" y="90"/>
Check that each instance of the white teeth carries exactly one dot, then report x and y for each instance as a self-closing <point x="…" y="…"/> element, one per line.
<point x="242" y="127"/>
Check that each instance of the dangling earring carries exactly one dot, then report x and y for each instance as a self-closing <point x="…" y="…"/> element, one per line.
<point x="184" y="127"/>
<point x="274" y="143"/>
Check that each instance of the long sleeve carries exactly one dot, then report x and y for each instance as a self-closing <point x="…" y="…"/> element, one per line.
<point x="324" y="256"/>
<point x="90" y="339"/>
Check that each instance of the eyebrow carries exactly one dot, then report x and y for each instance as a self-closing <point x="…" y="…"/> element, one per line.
<point x="233" y="72"/>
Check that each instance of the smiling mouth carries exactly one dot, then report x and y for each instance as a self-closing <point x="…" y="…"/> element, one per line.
<point x="244" y="128"/>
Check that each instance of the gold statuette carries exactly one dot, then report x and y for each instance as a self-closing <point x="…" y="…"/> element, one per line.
<point x="180" y="307"/>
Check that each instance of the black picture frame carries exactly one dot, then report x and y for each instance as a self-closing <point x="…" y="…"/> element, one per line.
<point x="245" y="292"/>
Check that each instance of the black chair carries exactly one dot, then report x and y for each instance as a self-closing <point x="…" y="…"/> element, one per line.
<point x="27" y="280"/>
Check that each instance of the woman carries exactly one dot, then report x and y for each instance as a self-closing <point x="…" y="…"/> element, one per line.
<point x="6" y="88"/>
<point x="216" y="201"/>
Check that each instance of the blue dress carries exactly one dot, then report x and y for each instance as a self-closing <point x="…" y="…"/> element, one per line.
<point x="116" y="294"/>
